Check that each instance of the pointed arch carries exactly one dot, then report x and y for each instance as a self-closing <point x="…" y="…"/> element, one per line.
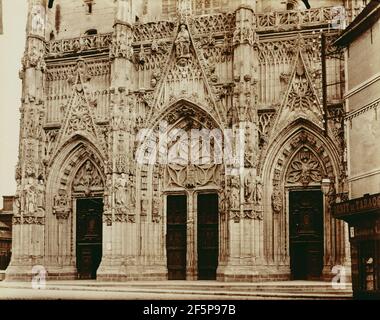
<point x="278" y="157"/>
<point x="71" y="157"/>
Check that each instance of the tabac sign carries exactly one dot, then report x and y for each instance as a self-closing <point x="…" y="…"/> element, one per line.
<point x="368" y="203"/>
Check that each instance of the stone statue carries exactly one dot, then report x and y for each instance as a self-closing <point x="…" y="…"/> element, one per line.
<point x="131" y="192"/>
<point x="41" y="194"/>
<point x="30" y="198"/>
<point x="257" y="194"/>
<point x="248" y="187"/>
<point x="182" y="43"/>
<point x="120" y="196"/>
<point x="235" y="195"/>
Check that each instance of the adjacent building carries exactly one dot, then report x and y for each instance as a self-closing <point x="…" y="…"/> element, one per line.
<point x="6" y="215"/>
<point x="179" y="139"/>
<point x="362" y="42"/>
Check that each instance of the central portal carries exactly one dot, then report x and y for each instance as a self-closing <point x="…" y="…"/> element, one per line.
<point x="207" y="236"/>
<point x="192" y="241"/>
<point x="89" y="236"/>
<point x="176" y="237"/>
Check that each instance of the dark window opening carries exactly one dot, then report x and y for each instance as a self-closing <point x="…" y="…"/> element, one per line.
<point x="89" y="8"/>
<point x="91" y="32"/>
<point x="289" y="6"/>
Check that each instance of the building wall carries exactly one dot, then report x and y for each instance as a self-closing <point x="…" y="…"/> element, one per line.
<point x="362" y="121"/>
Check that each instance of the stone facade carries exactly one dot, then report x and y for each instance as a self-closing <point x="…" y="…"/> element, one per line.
<point x="96" y="75"/>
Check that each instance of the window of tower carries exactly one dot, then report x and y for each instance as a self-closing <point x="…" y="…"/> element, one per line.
<point x="91" y="32"/>
<point x="89" y="6"/>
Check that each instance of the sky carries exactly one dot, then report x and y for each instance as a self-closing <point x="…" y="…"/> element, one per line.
<point x="12" y="44"/>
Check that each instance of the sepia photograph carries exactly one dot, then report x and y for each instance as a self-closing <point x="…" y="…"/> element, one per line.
<point x="189" y="151"/>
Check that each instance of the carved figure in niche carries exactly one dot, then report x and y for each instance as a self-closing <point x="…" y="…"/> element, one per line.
<point x="61" y="200"/>
<point x="253" y="189"/>
<point x="30" y="198"/>
<point x="248" y="187"/>
<point x="120" y="196"/>
<point x="38" y="19"/>
<point x="276" y="200"/>
<point x="131" y="192"/>
<point x="41" y="194"/>
<point x="235" y="194"/>
<point x="182" y="44"/>
<point x="331" y="194"/>
<point x="17" y="201"/>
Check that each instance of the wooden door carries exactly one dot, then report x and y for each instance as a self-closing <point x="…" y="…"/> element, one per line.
<point x="306" y="234"/>
<point x="176" y="237"/>
<point x="89" y="236"/>
<point x="207" y="230"/>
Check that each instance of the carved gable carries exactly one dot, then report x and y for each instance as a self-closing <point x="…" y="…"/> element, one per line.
<point x="184" y="76"/>
<point x="301" y="99"/>
<point x="79" y="116"/>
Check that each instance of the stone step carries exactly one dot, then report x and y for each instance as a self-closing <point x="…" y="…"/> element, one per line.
<point x="247" y="291"/>
<point x="250" y="287"/>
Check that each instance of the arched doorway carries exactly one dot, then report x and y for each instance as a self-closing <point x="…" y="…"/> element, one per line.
<point x="302" y="237"/>
<point x="185" y="174"/>
<point x="88" y="236"/>
<point x="205" y="249"/>
<point x="74" y="233"/>
<point x="306" y="233"/>
<point x="87" y="192"/>
<point x="207" y="235"/>
<point x="306" y="208"/>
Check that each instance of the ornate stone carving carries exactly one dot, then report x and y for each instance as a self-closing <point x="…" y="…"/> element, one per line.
<point x="87" y="179"/>
<point x="253" y="189"/>
<point x="156" y="207"/>
<point x="81" y="44"/>
<point x="276" y="200"/>
<point x="107" y="219"/>
<point x="34" y="58"/>
<point x="211" y="24"/>
<point x="28" y="220"/>
<point x="62" y="205"/>
<point x="120" y="193"/>
<point x="182" y="45"/>
<point x="304" y="168"/>
<point x="234" y="200"/>
<point x="295" y="20"/>
<point x="30" y="194"/>
<point x="148" y="31"/>
<point x="121" y="46"/>
<point x="191" y="176"/>
<point x="244" y="35"/>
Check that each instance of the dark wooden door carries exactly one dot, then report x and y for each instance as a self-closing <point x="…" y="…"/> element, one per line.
<point x="89" y="237"/>
<point x="176" y="237"/>
<point x="207" y="236"/>
<point x="306" y="234"/>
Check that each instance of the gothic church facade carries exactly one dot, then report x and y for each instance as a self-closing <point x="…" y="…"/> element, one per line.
<point x="103" y="79"/>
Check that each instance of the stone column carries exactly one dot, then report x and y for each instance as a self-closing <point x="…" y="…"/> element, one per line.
<point x="29" y="215"/>
<point x="245" y="260"/>
<point x="191" y="252"/>
<point x="116" y="215"/>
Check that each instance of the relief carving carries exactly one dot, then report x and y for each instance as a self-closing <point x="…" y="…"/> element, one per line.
<point x="62" y="205"/>
<point x="305" y="168"/>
